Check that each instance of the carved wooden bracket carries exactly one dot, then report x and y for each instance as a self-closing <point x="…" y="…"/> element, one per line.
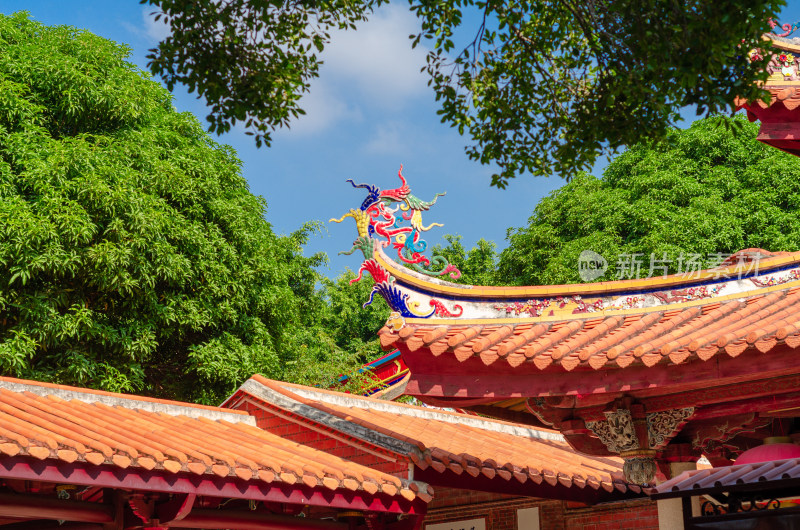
<point x="637" y="436"/>
<point x="663" y="426"/>
<point x="619" y="432"/>
<point x="616" y="431"/>
<point x="545" y="414"/>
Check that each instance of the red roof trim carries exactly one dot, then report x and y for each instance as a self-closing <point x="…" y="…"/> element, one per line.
<point x="25" y="468"/>
<point x="443" y="378"/>
<point x="244" y="397"/>
<point x="551" y="487"/>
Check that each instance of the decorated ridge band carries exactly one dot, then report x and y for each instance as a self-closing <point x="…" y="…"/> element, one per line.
<point x="392" y="219"/>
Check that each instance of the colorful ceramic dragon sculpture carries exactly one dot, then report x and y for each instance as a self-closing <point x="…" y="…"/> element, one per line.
<point x="393" y="219"/>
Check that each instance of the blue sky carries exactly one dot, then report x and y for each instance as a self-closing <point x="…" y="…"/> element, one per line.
<point x="369" y="112"/>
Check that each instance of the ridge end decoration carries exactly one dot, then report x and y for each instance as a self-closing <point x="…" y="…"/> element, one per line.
<point x="393" y="218"/>
<point x="415" y="286"/>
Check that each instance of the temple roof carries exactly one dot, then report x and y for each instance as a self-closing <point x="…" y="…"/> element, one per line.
<point x="441" y="443"/>
<point x="466" y="342"/>
<point x="778" y="116"/>
<point x="705" y="358"/>
<point x="667" y="320"/>
<point x="100" y="430"/>
<point x="617" y="339"/>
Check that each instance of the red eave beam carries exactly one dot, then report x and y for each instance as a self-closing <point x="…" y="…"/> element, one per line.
<point x="26" y="468"/>
<point x="443" y="376"/>
<point x="240" y="520"/>
<point x="40" y="524"/>
<point x="39" y="507"/>
<point x="80" y="515"/>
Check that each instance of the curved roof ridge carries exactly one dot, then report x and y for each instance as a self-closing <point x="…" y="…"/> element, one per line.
<point x="415" y="288"/>
<point x="743" y="276"/>
<point x="349" y="400"/>
<point x="786" y="43"/>
<point x="86" y="395"/>
<point x="730" y="267"/>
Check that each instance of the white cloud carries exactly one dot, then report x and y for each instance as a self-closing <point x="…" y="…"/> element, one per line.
<point x="372" y="67"/>
<point x="157" y="30"/>
<point x="377" y="60"/>
<point x="389" y="139"/>
<point x="324" y="108"/>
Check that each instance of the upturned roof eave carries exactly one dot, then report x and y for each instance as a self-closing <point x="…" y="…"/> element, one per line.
<point x="429" y="285"/>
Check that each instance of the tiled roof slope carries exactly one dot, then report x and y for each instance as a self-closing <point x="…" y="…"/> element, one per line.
<point x="647" y="337"/>
<point x="725" y="478"/>
<point x="97" y="428"/>
<point x="449" y="441"/>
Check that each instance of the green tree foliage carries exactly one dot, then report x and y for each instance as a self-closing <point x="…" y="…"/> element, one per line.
<point x="350" y="333"/>
<point x="251" y="60"/>
<point x="349" y="323"/>
<point x="546" y="86"/>
<point x="132" y="255"/>
<point x="712" y="189"/>
<point x="478" y="265"/>
<point x="540" y="87"/>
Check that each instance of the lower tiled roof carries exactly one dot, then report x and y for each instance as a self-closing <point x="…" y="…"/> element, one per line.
<point x="725" y="478"/>
<point x="449" y="441"/>
<point x="97" y="428"/>
<point x="695" y="332"/>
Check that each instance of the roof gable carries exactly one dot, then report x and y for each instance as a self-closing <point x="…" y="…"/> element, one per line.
<point x="114" y="440"/>
<point x="497" y="454"/>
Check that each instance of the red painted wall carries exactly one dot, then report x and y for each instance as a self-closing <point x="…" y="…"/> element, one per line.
<point x="630" y="515"/>
<point x="448" y="497"/>
<point x="301" y="434"/>
<point x="500" y="512"/>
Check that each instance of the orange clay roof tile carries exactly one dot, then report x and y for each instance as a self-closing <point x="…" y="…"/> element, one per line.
<point x="462" y="444"/>
<point x="590" y="335"/>
<point x="463" y="336"/>
<point x="80" y="426"/>
<point x="492" y="338"/>
<point x="789" y="329"/>
<point x="434" y="335"/>
<point x="10" y="449"/>
<point x="525" y="336"/>
<point x="387" y="339"/>
<point x="730" y="327"/>
<point x="793" y="340"/>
